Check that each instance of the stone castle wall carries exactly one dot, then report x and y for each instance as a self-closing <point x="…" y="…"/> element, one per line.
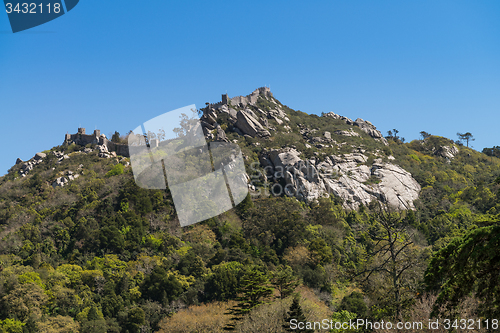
<point x="252" y="98"/>
<point x="96" y="138"/>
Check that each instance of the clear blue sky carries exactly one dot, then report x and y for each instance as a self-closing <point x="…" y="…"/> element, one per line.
<point x="410" y="65"/>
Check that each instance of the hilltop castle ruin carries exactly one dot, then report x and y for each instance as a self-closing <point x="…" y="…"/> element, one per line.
<point x="96" y="138"/>
<point x="83" y="139"/>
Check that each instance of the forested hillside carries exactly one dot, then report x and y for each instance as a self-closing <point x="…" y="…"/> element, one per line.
<point x="84" y="249"/>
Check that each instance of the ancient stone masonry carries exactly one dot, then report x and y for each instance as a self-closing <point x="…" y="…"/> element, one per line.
<point x="252" y="98"/>
<point x="99" y="139"/>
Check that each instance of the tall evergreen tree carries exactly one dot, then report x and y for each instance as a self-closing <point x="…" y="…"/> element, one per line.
<point x="254" y="290"/>
<point x="297" y="314"/>
<point x="284" y="281"/>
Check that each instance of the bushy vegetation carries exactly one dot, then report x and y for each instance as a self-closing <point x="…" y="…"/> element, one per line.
<point x="103" y="255"/>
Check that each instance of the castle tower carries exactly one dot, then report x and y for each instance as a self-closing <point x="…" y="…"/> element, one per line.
<point x="225" y="99"/>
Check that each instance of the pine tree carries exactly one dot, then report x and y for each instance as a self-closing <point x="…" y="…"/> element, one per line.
<point x="254" y="290"/>
<point x="284" y="281"/>
<point x="297" y="314"/>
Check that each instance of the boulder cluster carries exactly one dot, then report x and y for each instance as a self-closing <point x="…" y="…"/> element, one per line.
<point x="104" y="153"/>
<point x="60" y="156"/>
<point x="348" y="176"/>
<point x="62" y="181"/>
<point x="249" y="120"/>
<point x="353" y="177"/>
<point x="29" y="165"/>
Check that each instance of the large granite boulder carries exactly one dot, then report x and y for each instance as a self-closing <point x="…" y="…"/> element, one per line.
<point x="347" y="176"/>
<point x="397" y="187"/>
<point x="284" y="157"/>
<point x="447" y="152"/>
<point x="249" y="125"/>
<point x="40" y="156"/>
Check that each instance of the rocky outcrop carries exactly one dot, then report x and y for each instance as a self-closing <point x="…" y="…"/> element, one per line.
<point x="370" y="129"/>
<point x="62" y="181"/>
<point x="249" y="119"/>
<point x="283" y="158"/>
<point x="104" y="153"/>
<point x="364" y="125"/>
<point x="249" y="125"/>
<point x="61" y="156"/>
<point x="39" y="156"/>
<point x="27" y="166"/>
<point x="349" y="132"/>
<point x="336" y="116"/>
<point x="346" y="176"/>
<point x="447" y="152"/>
<point x="221" y="135"/>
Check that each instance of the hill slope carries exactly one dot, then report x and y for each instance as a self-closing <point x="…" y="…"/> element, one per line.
<point x="84" y="247"/>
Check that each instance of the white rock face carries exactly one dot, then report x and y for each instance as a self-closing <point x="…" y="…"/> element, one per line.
<point x="345" y="177"/>
<point x="447" y="152"/>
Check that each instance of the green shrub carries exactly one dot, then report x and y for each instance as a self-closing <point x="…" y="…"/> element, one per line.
<point x="117" y="170"/>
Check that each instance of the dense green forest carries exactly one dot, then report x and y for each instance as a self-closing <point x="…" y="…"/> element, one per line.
<point x="103" y="255"/>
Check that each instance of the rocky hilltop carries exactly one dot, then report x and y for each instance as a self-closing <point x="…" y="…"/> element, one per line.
<point x="347" y="161"/>
<point x="289" y="152"/>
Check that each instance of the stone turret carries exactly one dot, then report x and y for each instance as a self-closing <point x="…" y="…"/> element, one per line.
<point x="225" y="99"/>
